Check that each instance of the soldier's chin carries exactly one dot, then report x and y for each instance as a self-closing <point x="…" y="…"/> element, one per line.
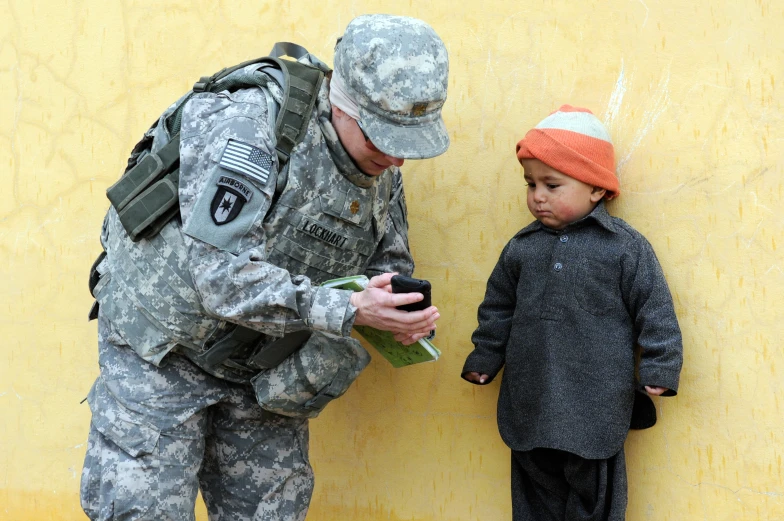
<point x="375" y="168"/>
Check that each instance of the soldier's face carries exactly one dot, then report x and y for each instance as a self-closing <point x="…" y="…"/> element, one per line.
<point x="367" y="157"/>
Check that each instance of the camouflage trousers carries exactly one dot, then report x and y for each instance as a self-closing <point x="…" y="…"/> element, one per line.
<point x="159" y="434"/>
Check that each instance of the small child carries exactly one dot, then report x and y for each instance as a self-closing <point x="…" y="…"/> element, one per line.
<point x="570" y="297"/>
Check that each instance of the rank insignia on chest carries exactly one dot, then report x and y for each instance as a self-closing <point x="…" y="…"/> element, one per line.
<point x="354" y="208"/>
<point x="229" y="199"/>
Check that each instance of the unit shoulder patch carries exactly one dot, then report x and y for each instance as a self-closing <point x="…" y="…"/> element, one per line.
<point x="229" y="199"/>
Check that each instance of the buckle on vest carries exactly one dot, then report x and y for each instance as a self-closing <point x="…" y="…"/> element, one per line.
<point x="203" y="84"/>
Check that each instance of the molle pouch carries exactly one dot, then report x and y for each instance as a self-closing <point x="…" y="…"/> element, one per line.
<point x="236" y="197"/>
<point x="305" y="382"/>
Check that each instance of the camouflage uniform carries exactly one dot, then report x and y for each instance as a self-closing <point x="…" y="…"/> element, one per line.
<point x="246" y="252"/>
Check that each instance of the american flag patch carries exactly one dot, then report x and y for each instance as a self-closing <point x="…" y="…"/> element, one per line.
<point x="246" y="160"/>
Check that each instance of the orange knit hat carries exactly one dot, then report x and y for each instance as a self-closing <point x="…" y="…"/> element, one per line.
<point x="573" y="141"/>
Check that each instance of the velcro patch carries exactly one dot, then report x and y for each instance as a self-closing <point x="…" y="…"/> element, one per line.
<point x="239" y="186"/>
<point x="229" y="200"/>
<point x="322" y="233"/>
<point x="246" y="160"/>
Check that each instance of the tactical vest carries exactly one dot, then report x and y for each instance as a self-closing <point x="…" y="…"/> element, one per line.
<point x="143" y="283"/>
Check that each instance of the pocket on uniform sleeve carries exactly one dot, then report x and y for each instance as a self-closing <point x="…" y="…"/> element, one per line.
<point x="123" y="427"/>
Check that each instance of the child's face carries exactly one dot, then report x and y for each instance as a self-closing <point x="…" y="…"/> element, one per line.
<point x="556" y="199"/>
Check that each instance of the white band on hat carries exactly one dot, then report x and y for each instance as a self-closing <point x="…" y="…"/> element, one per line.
<point x="580" y="122"/>
<point x="340" y="98"/>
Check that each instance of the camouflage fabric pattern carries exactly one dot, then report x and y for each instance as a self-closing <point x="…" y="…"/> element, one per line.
<point x="392" y="253"/>
<point x="256" y="272"/>
<point x="328" y="192"/>
<point x="396" y="68"/>
<point x="160" y="434"/>
<point x="151" y="275"/>
<point x="178" y="292"/>
<point x="303" y="384"/>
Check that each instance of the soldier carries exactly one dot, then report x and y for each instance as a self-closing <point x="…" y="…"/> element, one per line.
<point x="189" y="396"/>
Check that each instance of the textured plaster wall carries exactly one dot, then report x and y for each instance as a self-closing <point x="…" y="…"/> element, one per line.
<point x="692" y="94"/>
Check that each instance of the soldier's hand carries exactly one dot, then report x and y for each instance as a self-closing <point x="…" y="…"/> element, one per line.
<point x="376" y="308"/>
<point x="406" y="339"/>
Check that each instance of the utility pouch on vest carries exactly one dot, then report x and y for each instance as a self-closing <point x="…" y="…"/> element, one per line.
<point x="147" y="192"/>
<point x="146" y="196"/>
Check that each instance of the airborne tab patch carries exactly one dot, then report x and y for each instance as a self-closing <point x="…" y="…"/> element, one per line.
<point x="229" y="200"/>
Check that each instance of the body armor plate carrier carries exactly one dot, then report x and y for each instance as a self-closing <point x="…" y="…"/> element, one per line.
<point x="146" y="196"/>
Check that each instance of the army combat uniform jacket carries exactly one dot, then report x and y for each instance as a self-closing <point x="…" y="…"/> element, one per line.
<point x="253" y="243"/>
<point x="252" y="246"/>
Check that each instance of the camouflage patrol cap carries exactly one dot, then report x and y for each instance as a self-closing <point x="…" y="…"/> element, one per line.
<point x="396" y="69"/>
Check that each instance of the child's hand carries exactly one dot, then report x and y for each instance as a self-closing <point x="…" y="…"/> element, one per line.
<point x="655" y="391"/>
<point x="475" y="377"/>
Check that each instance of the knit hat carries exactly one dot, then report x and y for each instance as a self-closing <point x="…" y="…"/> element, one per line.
<point x="573" y="141"/>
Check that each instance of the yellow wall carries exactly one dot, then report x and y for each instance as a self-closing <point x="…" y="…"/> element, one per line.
<point x="691" y="92"/>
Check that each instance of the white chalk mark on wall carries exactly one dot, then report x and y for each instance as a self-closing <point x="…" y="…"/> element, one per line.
<point x="656" y="106"/>
<point x="616" y="99"/>
<point x="647" y="11"/>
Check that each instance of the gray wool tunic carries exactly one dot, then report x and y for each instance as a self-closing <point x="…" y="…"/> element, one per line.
<point x="562" y="312"/>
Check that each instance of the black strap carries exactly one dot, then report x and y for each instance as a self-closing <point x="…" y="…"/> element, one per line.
<point x="270" y="355"/>
<point x="226" y="346"/>
<point x="301" y="84"/>
<point x="95" y="276"/>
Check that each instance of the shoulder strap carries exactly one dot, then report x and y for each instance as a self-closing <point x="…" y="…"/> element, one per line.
<point x="146" y="196"/>
<point x="299" y="97"/>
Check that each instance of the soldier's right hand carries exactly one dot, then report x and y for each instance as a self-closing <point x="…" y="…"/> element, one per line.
<point x="376" y="308"/>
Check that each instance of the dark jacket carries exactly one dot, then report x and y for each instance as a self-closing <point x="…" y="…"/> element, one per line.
<point x="563" y="311"/>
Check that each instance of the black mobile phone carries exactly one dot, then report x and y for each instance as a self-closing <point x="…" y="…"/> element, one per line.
<point x="403" y="284"/>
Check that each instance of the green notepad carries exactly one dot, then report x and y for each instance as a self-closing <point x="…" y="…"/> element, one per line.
<point x="397" y="354"/>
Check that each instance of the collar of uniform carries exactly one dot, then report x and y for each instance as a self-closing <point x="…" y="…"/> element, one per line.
<point x="342" y="160"/>
<point x="598" y="214"/>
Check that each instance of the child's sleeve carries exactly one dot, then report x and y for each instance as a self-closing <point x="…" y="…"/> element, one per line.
<point x="495" y="320"/>
<point x="650" y="305"/>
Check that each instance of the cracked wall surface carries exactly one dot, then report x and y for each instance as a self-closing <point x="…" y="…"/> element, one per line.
<point x="691" y="93"/>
